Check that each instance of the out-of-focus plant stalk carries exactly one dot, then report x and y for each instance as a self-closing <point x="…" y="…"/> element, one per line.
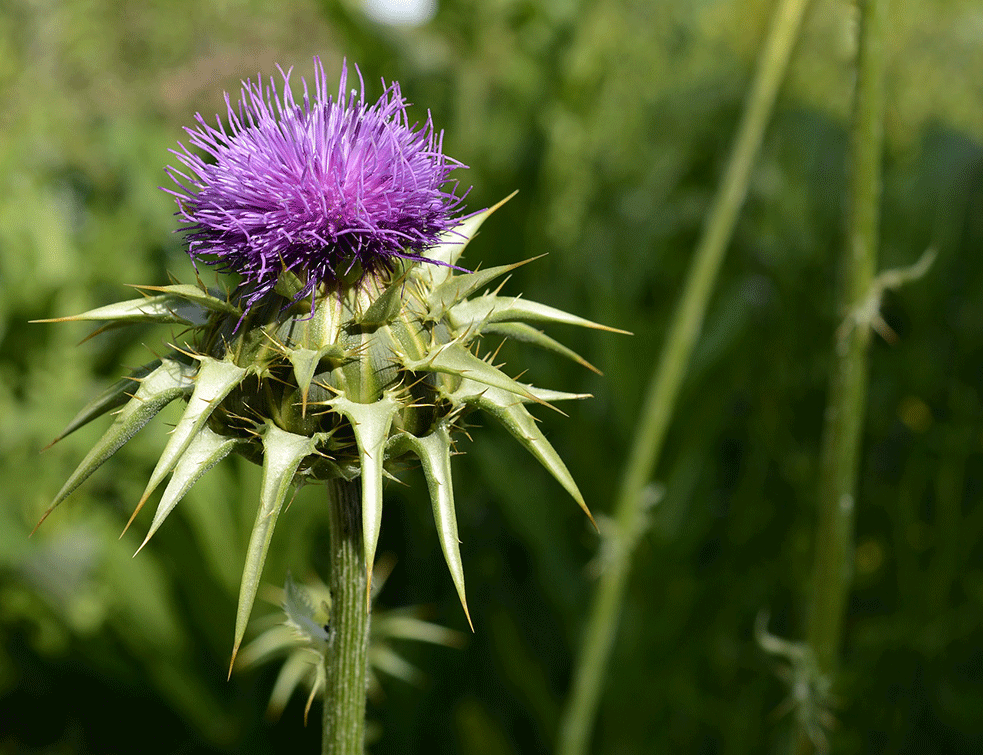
<point x="602" y="623"/>
<point x="833" y="560"/>
<point x="346" y="658"/>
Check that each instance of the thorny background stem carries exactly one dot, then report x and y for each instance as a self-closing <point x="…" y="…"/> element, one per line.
<point x="833" y="558"/>
<point x="347" y="654"/>
<point x="578" y="720"/>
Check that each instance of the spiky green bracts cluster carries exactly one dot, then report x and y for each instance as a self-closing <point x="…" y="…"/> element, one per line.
<point x="349" y="385"/>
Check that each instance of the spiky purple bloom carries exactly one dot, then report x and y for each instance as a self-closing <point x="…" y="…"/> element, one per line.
<point x="315" y="187"/>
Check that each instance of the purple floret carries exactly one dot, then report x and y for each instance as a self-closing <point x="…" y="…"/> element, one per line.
<point x="314" y="187"/>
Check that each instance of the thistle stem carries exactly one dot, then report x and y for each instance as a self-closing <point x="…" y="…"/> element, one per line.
<point x="602" y="623"/>
<point x="833" y="557"/>
<point x="345" y="662"/>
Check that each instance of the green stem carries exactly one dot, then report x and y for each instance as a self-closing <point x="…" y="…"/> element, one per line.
<point x="833" y="559"/>
<point x="602" y="623"/>
<point x="346" y="659"/>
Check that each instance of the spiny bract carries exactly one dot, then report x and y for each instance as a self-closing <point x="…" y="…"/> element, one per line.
<point x="383" y="370"/>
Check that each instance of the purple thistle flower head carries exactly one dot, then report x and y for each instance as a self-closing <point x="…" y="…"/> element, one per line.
<point x="315" y="187"/>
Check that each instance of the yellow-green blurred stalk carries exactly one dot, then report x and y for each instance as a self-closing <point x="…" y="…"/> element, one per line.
<point x="602" y="623"/>
<point x="833" y="559"/>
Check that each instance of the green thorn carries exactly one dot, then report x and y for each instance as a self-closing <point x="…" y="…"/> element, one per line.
<point x="520" y="331"/>
<point x="202" y="297"/>
<point x="507" y="309"/>
<point x="434" y="451"/>
<point x="521" y="424"/>
<point x="166" y="308"/>
<point x="370" y="423"/>
<point x="459" y="287"/>
<point x="206" y="449"/>
<point x="282" y="454"/>
<point x="169" y="381"/>
<point x="455" y="359"/>
<point x="113" y="397"/>
<point x="453" y="243"/>
<point x="214" y="381"/>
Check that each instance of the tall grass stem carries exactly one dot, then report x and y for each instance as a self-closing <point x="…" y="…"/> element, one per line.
<point x="578" y="720"/>
<point x="846" y="404"/>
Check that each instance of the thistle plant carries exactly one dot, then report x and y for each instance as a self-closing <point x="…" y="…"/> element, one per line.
<point x="350" y="345"/>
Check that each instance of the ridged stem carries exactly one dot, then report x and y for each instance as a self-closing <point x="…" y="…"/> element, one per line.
<point x="833" y="557"/>
<point x="602" y="623"/>
<point x="346" y="659"/>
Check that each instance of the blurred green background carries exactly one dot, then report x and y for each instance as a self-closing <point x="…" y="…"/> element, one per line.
<point x="613" y="119"/>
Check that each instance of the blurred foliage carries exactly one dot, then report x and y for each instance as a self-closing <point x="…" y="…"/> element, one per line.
<point x="613" y="118"/>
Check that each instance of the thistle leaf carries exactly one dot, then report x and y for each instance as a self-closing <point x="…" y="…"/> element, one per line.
<point x="206" y="449"/>
<point x="520" y="331"/>
<point x="493" y="308"/>
<point x="521" y="424"/>
<point x="214" y="381"/>
<point x="282" y="454"/>
<point x="166" y="383"/>
<point x="371" y="423"/>
<point x="113" y="397"/>
<point x="434" y="451"/>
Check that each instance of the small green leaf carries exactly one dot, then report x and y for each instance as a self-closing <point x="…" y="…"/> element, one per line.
<point x="371" y="423"/>
<point x="387" y="660"/>
<point x="282" y="454"/>
<point x="297" y="668"/>
<point x="434" y="451"/>
<point x="289" y="284"/>
<point x="169" y="381"/>
<point x="206" y="449"/>
<point x="402" y="624"/>
<point x="305" y="363"/>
